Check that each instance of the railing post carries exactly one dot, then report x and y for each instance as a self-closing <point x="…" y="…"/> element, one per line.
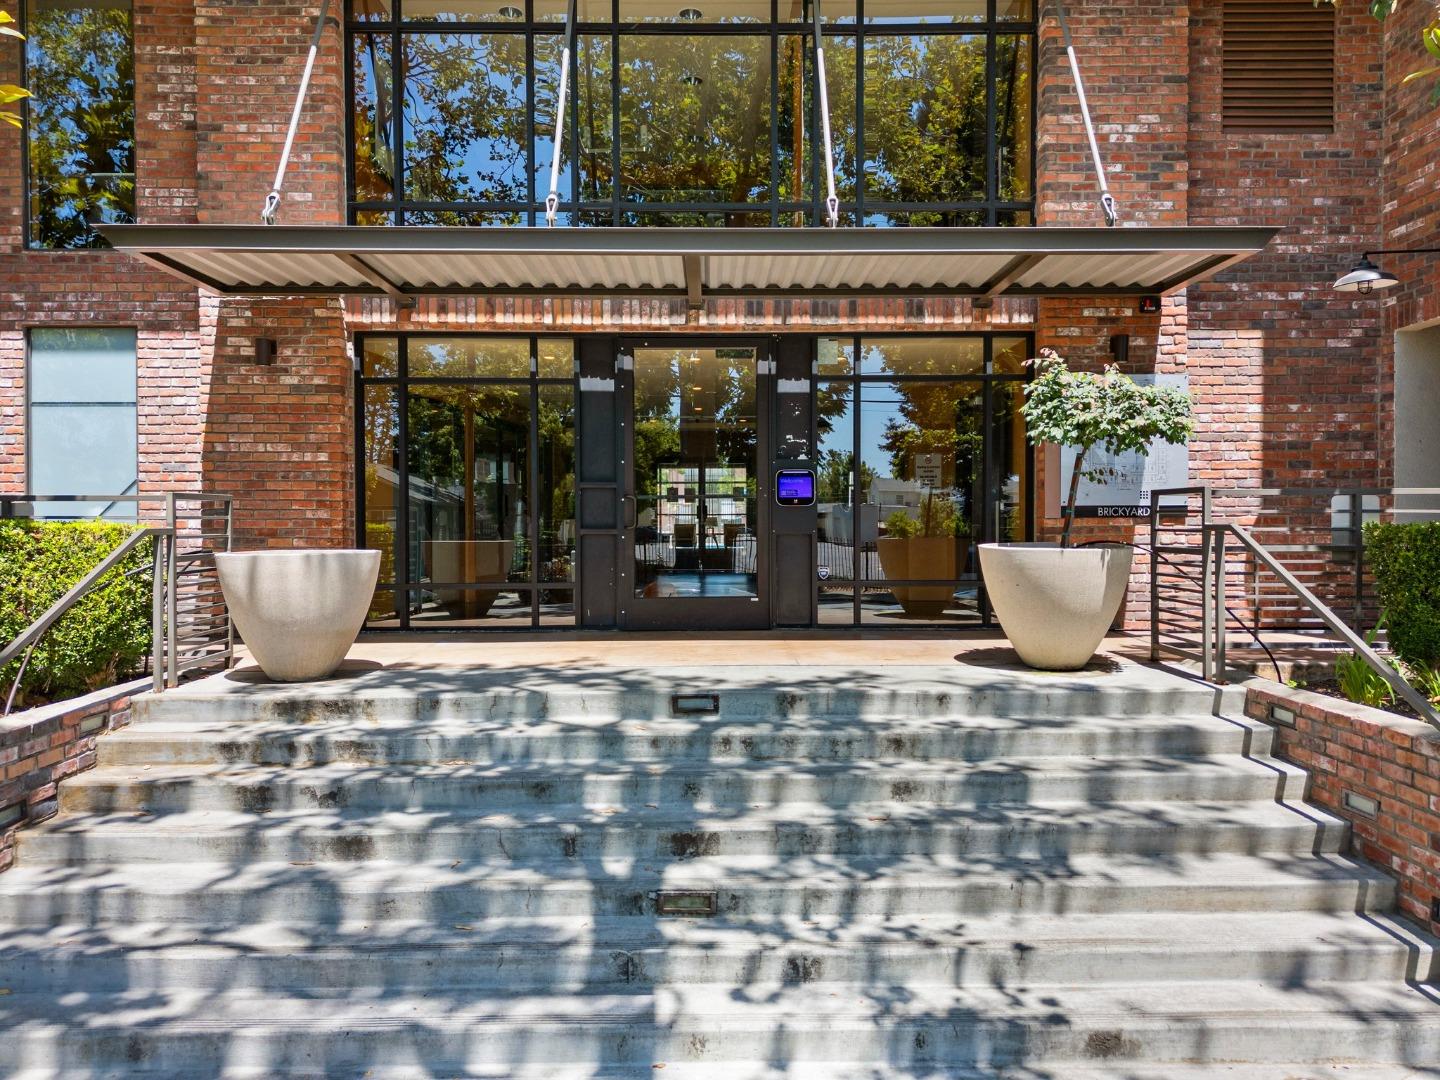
<point x="1207" y="669"/>
<point x="1219" y="549"/>
<point x="1155" y="577"/>
<point x="172" y="663"/>
<point x="1357" y="530"/>
<point x="229" y="544"/>
<point x="158" y="651"/>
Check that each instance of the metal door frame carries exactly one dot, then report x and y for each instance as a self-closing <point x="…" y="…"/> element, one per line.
<point x="694" y="613"/>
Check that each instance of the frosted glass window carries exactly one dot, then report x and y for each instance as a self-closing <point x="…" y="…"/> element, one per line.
<point x="82" y="429"/>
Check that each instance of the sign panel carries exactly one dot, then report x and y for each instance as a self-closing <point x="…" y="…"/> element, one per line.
<point x="1131" y="477"/>
<point x="929" y="468"/>
<point x="795" y="487"/>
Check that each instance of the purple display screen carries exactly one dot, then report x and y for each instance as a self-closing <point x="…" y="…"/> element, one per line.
<point x="795" y="487"/>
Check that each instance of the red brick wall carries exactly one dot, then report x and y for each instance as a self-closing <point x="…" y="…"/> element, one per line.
<point x="215" y="83"/>
<point x="251" y="54"/>
<point x="1306" y="362"/>
<point x="1379" y="756"/>
<point x="40" y="748"/>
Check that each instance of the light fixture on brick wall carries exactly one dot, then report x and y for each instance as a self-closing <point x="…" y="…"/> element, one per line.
<point x="1365" y="277"/>
<point x="265" y="350"/>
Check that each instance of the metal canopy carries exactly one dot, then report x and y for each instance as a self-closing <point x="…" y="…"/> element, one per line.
<point x="694" y="264"/>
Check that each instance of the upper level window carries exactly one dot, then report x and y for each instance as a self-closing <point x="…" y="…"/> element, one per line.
<point x="691" y="114"/>
<point x="80" y="70"/>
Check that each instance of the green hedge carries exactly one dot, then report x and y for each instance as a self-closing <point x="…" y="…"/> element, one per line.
<point x="99" y="642"/>
<point x="1406" y="563"/>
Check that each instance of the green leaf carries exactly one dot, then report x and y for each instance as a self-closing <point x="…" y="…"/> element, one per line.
<point x="12" y="93"/>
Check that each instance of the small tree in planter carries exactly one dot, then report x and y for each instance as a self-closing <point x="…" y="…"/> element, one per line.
<point x="1108" y="409"/>
<point x="1055" y="602"/>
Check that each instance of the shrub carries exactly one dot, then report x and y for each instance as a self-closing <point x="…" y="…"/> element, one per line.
<point x="104" y="638"/>
<point x="1406" y="562"/>
<point x="936" y="516"/>
<point x="1361" y="683"/>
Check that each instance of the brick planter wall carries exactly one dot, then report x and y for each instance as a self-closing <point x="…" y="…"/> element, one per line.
<point x="1381" y="761"/>
<point x="40" y="747"/>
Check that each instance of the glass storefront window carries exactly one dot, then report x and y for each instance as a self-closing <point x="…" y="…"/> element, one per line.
<point x="468" y="357"/>
<point x="469" y="478"/>
<point x="922" y="356"/>
<point x="920" y="455"/>
<point x="721" y="121"/>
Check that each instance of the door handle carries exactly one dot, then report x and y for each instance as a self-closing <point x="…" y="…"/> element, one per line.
<point x="629" y="510"/>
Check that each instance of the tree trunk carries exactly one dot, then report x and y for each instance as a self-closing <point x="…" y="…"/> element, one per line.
<point x="1070" y="499"/>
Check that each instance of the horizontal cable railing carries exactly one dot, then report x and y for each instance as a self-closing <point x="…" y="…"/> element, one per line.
<point x="190" y="624"/>
<point x="1272" y="568"/>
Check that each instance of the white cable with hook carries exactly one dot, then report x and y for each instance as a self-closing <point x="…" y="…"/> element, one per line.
<point x="832" y="202"/>
<point x="552" y="200"/>
<point x="1107" y="201"/>
<point x="272" y="201"/>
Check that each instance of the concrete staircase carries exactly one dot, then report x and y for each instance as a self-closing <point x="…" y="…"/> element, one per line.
<point x="916" y="874"/>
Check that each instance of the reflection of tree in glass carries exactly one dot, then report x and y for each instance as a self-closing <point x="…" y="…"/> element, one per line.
<point x="81" y="71"/>
<point x="465" y="118"/>
<point x="695" y="118"/>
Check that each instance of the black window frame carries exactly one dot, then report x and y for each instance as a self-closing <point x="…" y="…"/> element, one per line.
<point x="98" y="243"/>
<point x="988" y="378"/>
<point x="405" y="584"/>
<point x="990" y="211"/>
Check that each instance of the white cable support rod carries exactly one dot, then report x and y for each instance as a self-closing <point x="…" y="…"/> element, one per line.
<point x="832" y="202"/>
<point x="272" y="201"/>
<point x="552" y="199"/>
<point x="1107" y="201"/>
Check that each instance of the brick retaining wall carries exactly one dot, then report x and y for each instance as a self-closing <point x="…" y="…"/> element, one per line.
<point x="40" y="747"/>
<point x="1387" y="765"/>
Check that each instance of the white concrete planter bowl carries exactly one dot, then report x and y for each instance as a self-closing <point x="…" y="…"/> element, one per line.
<point x="1055" y="604"/>
<point x="298" y="611"/>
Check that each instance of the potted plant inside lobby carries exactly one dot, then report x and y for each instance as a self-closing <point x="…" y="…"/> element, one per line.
<point x="925" y="544"/>
<point x="1055" y="602"/>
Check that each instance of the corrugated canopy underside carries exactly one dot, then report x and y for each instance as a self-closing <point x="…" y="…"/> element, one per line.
<point x="696" y="264"/>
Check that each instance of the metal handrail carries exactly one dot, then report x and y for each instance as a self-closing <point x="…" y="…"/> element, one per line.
<point x="166" y="663"/>
<point x="28" y="638"/>
<point x="1333" y="622"/>
<point x="1212" y="600"/>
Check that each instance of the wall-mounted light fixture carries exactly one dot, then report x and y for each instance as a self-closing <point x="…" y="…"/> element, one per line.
<point x="1365" y="277"/>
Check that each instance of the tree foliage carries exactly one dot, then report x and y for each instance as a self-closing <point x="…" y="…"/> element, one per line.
<point x="1429" y="38"/>
<point x="9" y="93"/>
<point x="1108" y="409"/>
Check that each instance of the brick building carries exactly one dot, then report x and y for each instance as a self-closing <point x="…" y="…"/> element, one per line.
<point x="367" y="424"/>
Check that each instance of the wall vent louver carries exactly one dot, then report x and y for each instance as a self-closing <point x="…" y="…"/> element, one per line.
<point x="1278" y="66"/>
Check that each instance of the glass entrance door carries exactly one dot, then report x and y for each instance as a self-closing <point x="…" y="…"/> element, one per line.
<point x="696" y="514"/>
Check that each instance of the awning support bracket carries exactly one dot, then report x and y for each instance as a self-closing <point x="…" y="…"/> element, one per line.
<point x="832" y="203"/>
<point x="1107" y="201"/>
<point x="552" y="198"/>
<point x="272" y="201"/>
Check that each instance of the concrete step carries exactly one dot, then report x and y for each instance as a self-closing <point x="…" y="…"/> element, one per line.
<point x="612" y="954"/>
<point x="1029" y="830"/>
<point x="811" y="1070"/>
<point x="811" y="887"/>
<point x="729" y="787"/>
<point x="817" y="1070"/>
<point x="482" y="740"/>
<point x="200" y="1033"/>
<point x="783" y="696"/>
